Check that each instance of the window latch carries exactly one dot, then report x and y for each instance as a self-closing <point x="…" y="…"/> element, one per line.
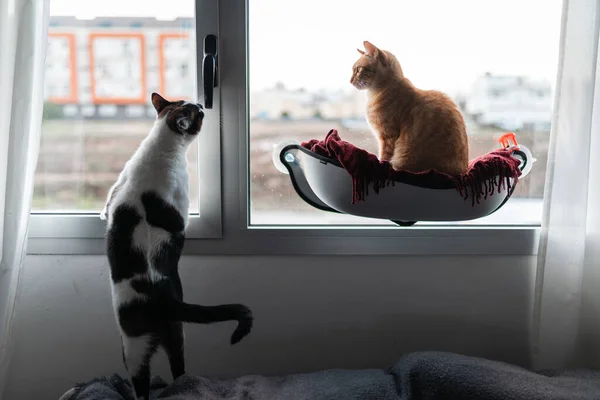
<point x="209" y="69"/>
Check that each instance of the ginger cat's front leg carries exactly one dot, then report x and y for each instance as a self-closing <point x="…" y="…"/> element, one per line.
<point x="386" y="150"/>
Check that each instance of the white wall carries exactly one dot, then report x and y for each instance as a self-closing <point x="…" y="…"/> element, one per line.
<point x="310" y="313"/>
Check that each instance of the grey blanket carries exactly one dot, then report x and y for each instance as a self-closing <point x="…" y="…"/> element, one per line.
<point x="416" y="376"/>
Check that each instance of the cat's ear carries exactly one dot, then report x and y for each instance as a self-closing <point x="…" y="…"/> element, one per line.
<point x="361" y="52"/>
<point x="159" y="102"/>
<point x="372" y="51"/>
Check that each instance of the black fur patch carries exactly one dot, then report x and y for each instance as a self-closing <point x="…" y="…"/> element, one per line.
<point x="173" y="344"/>
<point x="192" y="112"/>
<point x="166" y="258"/>
<point x="175" y="110"/>
<point x="149" y="316"/>
<point x="141" y="382"/>
<point x="124" y="259"/>
<point x="139" y="317"/>
<point x="161" y="214"/>
<point x="142" y="285"/>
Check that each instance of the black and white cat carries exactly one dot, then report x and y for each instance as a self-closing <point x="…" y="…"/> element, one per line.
<point x="147" y="213"/>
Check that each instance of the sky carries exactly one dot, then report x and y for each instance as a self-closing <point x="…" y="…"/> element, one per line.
<point x="441" y="44"/>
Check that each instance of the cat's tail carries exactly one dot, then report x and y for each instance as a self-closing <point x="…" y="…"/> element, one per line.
<point x="185" y="312"/>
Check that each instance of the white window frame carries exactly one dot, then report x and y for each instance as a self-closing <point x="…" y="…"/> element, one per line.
<point x="47" y="229"/>
<point x="236" y="236"/>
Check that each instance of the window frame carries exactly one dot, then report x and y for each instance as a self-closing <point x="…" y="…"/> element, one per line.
<point x="52" y="226"/>
<point x="238" y="236"/>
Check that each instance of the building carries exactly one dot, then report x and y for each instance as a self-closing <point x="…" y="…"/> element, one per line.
<point x="282" y="103"/>
<point x="344" y="105"/>
<point x="107" y="67"/>
<point x="279" y="102"/>
<point x="510" y="102"/>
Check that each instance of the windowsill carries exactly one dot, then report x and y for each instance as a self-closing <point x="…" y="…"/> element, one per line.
<point x="516" y="241"/>
<point x="323" y="233"/>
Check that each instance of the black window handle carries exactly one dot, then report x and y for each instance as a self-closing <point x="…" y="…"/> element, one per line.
<point x="209" y="69"/>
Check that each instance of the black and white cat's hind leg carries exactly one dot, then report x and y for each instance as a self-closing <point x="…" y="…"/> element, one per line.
<point x="137" y="355"/>
<point x="173" y="343"/>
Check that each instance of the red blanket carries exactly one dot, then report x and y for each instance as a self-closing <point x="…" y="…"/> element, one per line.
<point x="487" y="174"/>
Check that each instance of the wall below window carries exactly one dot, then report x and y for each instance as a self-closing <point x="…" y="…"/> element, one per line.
<point x="310" y="313"/>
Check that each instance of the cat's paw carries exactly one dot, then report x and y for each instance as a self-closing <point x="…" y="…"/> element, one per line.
<point x="103" y="214"/>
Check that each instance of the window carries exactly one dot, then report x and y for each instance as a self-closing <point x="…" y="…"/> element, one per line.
<point x="175" y="75"/>
<point x="84" y="148"/>
<point x="285" y="78"/>
<point x="301" y="90"/>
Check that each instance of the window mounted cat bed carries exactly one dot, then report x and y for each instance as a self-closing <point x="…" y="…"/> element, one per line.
<point x="336" y="176"/>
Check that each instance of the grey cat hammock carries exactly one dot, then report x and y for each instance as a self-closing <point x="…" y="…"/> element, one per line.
<point x="335" y="176"/>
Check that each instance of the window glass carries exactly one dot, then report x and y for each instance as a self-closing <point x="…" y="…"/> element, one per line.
<point x="496" y="59"/>
<point x="103" y="61"/>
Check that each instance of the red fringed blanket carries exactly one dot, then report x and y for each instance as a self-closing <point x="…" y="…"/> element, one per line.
<point x="486" y="174"/>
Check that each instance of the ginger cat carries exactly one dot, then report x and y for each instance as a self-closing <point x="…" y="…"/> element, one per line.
<point x="417" y="129"/>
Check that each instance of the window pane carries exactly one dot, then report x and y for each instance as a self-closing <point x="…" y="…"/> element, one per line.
<point x="496" y="59"/>
<point x="104" y="59"/>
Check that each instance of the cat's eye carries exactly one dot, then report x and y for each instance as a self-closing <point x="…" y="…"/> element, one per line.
<point x="358" y="69"/>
